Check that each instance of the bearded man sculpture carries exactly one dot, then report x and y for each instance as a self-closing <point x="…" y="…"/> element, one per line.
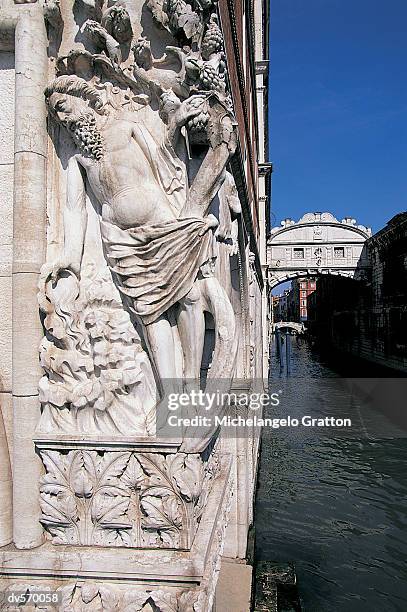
<point x="157" y="236"/>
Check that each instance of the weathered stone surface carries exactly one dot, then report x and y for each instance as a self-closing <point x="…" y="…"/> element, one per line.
<point x="115" y="169"/>
<point x="7" y="79"/>
<point x="6" y="408"/>
<point x="6" y="218"/>
<point x="5" y="334"/>
<point x="228" y="597"/>
<point x="6" y="530"/>
<point x="27" y="470"/>
<point x="27" y="333"/>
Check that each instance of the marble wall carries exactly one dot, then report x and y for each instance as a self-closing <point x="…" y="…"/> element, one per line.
<point x="7" y="78"/>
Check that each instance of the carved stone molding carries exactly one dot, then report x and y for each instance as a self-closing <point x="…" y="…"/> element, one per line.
<point x="138" y="500"/>
<point x="98" y="597"/>
<point x="161" y="580"/>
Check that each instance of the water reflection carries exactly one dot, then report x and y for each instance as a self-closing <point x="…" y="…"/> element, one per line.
<point x="337" y="506"/>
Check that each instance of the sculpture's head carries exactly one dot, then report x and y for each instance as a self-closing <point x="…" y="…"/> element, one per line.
<point x="75" y="104"/>
<point x="80" y="63"/>
<point x="67" y="109"/>
<point x="73" y="94"/>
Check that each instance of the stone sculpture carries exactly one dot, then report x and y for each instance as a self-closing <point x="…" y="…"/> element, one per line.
<point x="135" y="123"/>
<point x="125" y="133"/>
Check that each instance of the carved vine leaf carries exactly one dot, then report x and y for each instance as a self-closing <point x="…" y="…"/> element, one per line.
<point x="133" y="602"/>
<point x="133" y="477"/>
<point x="89" y="595"/>
<point x="170" y="498"/>
<point x="186" y="19"/>
<point x="110" y="512"/>
<point x="192" y="601"/>
<point x="156" y="8"/>
<point x="163" y="508"/>
<point x="82" y="474"/>
<point x="189" y="477"/>
<point x="56" y="468"/>
<point x="111" y="501"/>
<point x="57" y="501"/>
<point x="89" y="592"/>
<point x="109" y="599"/>
<point x="177" y="481"/>
<point x="176" y="15"/>
<point x="59" y="516"/>
<point x="66" y="593"/>
<point x="166" y="602"/>
<point x="110" y="468"/>
<point x="156" y="467"/>
<point x="162" y="511"/>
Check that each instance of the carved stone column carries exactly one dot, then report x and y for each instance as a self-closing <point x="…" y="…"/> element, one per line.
<point x="29" y="241"/>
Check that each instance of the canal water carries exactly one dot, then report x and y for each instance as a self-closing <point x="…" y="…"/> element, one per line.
<point x="334" y="503"/>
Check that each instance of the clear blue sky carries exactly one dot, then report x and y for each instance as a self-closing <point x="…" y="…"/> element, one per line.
<point x="338" y="108"/>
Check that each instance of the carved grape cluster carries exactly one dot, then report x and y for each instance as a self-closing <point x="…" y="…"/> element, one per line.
<point x="213" y="40"/>
<point x="210" y="78"/>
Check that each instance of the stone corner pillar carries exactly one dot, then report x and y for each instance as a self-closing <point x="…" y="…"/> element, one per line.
<point x="29" y="244"/>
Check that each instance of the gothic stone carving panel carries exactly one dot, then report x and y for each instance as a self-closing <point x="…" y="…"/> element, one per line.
<point x="124" y="499"/>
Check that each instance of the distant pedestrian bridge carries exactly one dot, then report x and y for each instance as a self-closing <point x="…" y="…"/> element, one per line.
<point x="298" y="328"/>
<point x="317" y="244"/>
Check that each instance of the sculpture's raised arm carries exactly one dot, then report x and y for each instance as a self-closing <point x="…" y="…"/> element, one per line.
<point x="220" y="131"/>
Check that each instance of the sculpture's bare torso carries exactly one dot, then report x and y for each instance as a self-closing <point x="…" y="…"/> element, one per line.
<point x="127" y="190"/>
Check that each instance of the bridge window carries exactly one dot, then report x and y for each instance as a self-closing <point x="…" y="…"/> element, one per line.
<point x="298" y="253"/>
<point x="339" y="252"/>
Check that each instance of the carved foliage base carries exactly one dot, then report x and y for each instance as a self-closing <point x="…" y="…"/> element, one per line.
<point x="139" y="500"/>
<point x="98" y="597"/>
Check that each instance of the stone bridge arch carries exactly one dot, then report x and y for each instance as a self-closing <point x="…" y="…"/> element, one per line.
<point x="317" y="244"/>
<point x="299" y="328"/>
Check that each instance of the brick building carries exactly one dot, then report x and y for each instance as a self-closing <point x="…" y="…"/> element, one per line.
<point x="301" y="289"/>
<point x="369" y="318"/>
